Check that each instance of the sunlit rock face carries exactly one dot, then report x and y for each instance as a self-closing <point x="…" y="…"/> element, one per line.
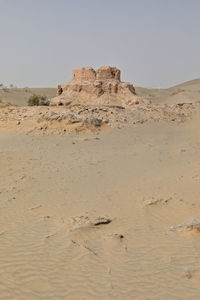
<point x="96" y="87"/>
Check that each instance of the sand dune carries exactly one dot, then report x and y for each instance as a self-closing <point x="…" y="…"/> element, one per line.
<point x="91" y="216"/>
<point x="20" y="96"/>
<point x="186" y="92"/>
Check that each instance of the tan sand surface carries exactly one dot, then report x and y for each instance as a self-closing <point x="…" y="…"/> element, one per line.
<point x="111" y="214"/>
<point x="186" y="92"/>
<point x="98" y="216"/>
<point x="20" y="96"/>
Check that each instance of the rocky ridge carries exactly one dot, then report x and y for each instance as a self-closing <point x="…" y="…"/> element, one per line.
<point x="89" y="118"/>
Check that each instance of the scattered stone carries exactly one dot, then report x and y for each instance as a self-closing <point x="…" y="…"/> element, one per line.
<point x="94" y="122"/>
<point x="90" y="221"/>
<point x="90" y="118"/>
<point x="102" y="221"/>
<point x="119" y="236"/>
<point x="192" y="225"/>
<point x="35" y="207"/>
<point x="187" y="273"/>
<point x="157" y="201"/>
<point x="45" y="217"/>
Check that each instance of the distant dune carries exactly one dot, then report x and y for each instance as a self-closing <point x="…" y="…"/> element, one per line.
<point x="19" y="96"/>
<point x="186" y="92"/>
<point x="195" y="83"/>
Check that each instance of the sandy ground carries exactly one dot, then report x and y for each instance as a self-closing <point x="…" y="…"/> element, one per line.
<point x="186" y="92"/>
<point x="99" y="216"/>
<point x="20" y="96"/>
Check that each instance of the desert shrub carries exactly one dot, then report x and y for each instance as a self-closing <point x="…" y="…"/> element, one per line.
<point x="37" y="100"/>
<point x="33" y="100"/>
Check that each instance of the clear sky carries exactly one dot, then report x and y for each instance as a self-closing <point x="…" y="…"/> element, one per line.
<point x="156" y="43"/>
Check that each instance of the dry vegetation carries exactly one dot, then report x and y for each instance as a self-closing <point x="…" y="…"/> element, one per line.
<point x="20" y="96"/>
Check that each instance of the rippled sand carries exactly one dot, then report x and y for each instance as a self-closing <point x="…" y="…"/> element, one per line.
<point x="145" y="179"/>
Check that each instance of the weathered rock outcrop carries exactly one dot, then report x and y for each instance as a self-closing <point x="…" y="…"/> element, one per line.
<point x="96" y="87"/>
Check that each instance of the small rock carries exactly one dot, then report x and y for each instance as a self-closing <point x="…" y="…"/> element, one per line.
<point x="187" y="273"/>
<point x="102" y="221"/>
<point x="192" y="225"/>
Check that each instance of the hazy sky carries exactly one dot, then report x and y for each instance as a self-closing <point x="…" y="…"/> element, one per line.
<point x="156" y="43"/>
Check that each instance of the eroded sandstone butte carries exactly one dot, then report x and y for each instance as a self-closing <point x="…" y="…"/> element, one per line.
<point x="96" y="87"/>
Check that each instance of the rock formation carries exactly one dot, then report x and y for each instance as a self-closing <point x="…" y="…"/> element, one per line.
<point x="96" y="87"/>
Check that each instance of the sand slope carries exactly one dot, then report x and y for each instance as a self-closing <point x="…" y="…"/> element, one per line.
<point x="145" y="179"/>
<point x="20" y="96"/>
<point x="186" y="92"/>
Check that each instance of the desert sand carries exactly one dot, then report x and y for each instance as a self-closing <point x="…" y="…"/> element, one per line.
<point x="102" y="211"/>
<point x="20" y="96"/>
